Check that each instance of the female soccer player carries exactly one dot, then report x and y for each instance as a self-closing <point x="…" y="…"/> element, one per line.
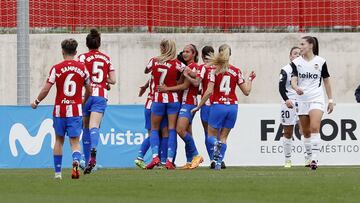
<point x="101" y="73"/>
<point x="145" y="145"/>
<point x="202" y="78"/>
<point x="165" y="70"/>
<point x="70" y="77"/>
<point x="223" y="111"/>
<point x="288" y="113"/>
<point x="308" y="71"/>
<point x="189" y="101"/>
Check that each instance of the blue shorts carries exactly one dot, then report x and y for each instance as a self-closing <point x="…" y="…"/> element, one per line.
<point x="185" y="112"/>
<point x="223" y="116"/>
<point x="71" y="126"/>
<point x="162" y="109"/>
<point x="94" y="104"/>
<point x="204" y="113"/>
<point x="164" y="122"/>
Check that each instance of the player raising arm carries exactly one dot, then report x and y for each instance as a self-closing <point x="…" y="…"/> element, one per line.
<point x="70" y="77"/>
<point x="189" y="101"/>
<point x="223" y="111"/>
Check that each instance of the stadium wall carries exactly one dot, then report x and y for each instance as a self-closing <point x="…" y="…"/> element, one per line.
<point x="265" y="53"/>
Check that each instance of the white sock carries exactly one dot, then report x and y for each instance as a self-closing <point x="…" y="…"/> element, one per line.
<point x="307" y="144"/>
<point x="287" y="144"/>
<point x="315" y="145"/>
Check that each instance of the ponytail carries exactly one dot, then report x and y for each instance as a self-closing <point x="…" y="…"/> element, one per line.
<point x="314" y="41"/>
<point x="221" y="60"/>
<point x="316" y="46"/>
<point x="168" y="50"/>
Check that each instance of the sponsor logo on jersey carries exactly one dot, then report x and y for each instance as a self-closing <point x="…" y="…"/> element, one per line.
<point x="308" y="75"/>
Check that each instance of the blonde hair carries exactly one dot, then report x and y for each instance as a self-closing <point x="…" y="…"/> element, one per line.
<point x="168" y="50"/>
<point x="221" y="60"/>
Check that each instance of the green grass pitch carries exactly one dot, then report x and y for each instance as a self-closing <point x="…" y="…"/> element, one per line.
<point x="235" y="184"/>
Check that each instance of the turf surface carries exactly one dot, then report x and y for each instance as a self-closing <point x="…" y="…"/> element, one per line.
<point x="237" y="184"/>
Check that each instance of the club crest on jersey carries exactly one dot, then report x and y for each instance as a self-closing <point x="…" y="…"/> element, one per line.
<point x="316" y="66"/>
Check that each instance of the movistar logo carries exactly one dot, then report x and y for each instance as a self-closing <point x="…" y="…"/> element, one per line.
<point x="308" y="75"/>
<point x="31" y="145"/>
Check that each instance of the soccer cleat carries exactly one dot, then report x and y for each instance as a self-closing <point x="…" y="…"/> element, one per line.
<point x="58" y="176"/>
<point x="287" y="164"/>
<point x="91" y="163"/>
<point x="169" y="165"/>
<point x="197" y="160"/>
<point x="223" y="166"/>
<point x="313" y="165"/>
<point x="307" y="162"/>
<point x="82" y="165"/>
<point x="212" y="165"/>
<point x="217" y="166"/>
<point x="154" y="162"/>
<point x="140" y="163"/>
<point x="75" y="173"/>
<point x="186" y="166"/>
<point x="90" y="166"/>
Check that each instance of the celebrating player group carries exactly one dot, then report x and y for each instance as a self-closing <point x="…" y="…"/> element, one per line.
<point x="175" y="83"/>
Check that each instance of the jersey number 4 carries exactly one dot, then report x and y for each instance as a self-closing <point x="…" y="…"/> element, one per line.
<point x="225" y="85"/>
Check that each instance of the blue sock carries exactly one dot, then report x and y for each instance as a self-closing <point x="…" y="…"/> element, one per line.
<point x="154" y="142"/>
<point x="223" y="150"/>
<point x="187" y="152"/>
<point x="164" y="147"/>
<point x="145" y="145"/>
<point x="172" y="144"/>
<point x="207" y="144"/>
<point x="189" y="140"/>
<point x="86" y="141"/>
<point x="94" y="136"/>
<point x="212" y="141"/>
<point x="76" y="155"/>
<point x="57" y="163"/>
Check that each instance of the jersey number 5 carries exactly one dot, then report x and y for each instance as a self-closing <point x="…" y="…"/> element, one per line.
<point x="225" y="85"/>
<point x="97" y="72"/>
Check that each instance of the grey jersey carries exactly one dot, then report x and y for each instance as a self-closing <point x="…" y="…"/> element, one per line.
<point x="310" y="75"/>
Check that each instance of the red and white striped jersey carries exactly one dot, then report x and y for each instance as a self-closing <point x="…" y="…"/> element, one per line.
<point x="225" y="85"/>
<point x="190" y="94"/>
<point x="149" y="98"/>
<point x="70" y="77"/>
<point x="204" y="74"/>
<point x="99" y="65"/>
<point x="166" y="73"/>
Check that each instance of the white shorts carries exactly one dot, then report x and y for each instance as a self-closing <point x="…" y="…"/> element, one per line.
<point x="303" y="108"/>
<point x="288" y="116"/>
